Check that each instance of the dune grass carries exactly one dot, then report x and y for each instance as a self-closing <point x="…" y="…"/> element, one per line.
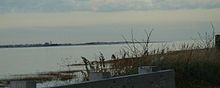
<point x="194" y="68"/>
<point x="196" y="65"/>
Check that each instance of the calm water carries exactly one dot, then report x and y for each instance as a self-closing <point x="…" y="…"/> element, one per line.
<point x="31" y="60"/>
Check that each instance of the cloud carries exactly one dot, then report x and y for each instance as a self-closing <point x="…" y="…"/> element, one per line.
<point x="8" y="6"/>
<point x="186" y="4"/>
<point x="34" y="5"/>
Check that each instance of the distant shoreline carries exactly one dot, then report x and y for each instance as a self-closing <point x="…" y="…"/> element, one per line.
<point x="47" y="44"/>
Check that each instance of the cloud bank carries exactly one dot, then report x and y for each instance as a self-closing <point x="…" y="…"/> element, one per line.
<point x="8" y="6"/>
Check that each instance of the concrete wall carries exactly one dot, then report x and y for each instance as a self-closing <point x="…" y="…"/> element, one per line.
<point x="147" y="69"/>
<point x="159" y="79"/>
<point x="99" y="75"/>
<point x="22" y="84"/>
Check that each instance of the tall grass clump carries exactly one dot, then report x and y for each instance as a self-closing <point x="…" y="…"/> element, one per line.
<point x="197" y="65"/>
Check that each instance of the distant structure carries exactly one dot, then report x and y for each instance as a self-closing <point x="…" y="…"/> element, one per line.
<point x="217" y="41"/>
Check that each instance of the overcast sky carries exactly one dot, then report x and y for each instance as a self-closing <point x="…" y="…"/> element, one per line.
<point x="10" y="6"/>
<point x="174" y="16"/>
<point x="50" y="13"/>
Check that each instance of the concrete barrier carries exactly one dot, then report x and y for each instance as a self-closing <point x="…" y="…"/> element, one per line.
<point x="147" y="69"/>
<point x="22" y="84"/>
<point x="99" y="75"/>
<point x="159" y="79"/>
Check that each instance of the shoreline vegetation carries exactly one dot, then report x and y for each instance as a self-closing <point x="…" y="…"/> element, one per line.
<point x="194" y="68"/>
<point x="196" y="65"/>
<point x="50" y="44"/>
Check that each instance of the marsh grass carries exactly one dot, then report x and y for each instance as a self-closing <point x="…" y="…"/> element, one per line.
<point x="196" y="65"/>
<point x="194" y="68"/>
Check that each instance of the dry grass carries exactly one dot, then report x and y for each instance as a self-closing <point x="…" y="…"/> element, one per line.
<point x="195" y="68"/>
<point x="196" y="65"/>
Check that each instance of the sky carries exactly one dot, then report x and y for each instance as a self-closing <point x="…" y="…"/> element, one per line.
<point x="10" y="6"/>
<point x="36" y="21"/>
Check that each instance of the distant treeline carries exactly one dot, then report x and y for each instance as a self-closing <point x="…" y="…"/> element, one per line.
<point x="46" y="44"/>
